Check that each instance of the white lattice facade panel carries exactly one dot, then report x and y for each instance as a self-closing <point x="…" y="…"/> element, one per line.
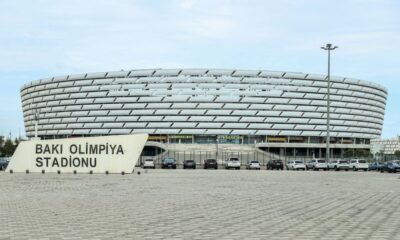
<point x="204" y="102"/>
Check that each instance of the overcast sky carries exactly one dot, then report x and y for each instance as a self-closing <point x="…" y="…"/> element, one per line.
<point x="43" y="38"/>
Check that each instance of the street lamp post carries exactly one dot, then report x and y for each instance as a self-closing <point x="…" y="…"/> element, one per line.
<point x="328" y="48"/>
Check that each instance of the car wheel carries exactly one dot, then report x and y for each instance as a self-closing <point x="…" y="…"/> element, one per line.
<point x="365" y="170"/>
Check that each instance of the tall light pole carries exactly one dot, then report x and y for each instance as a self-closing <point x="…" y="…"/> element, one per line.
<point x="328" y="48"/>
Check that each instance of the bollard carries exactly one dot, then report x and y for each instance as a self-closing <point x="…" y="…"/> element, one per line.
<point x="27" y="171"/>
<point x="74" y="171"/>
<point x="106" y="172"/>
<point x="138" y="173"/>
<point x="58" y="172"/>
<point x="43" y="171"/>
<point x="123" y="173"/>
<point x="11" y="171"/>
<point x="90" y="172"/>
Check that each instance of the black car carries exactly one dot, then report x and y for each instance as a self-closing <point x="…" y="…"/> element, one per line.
<point x="390" y="167"/>
<point x="3" y="164"/>
<point x="275" y="164"/>
<point x="189" y="164"/>
<point x="168" y="163"/>
<point x="210" y="163"/>
<point x="375" y="166"/>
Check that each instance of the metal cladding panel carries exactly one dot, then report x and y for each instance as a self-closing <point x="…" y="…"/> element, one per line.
<point x="209" y="125"/>
<point x="79" y="113"/>
<point x="261" y="106"/>
<point x="158" y="105"/>
<point x="227" y="99"/>
<point x="269" y="113"/>
<point x="135" y="125"/>
<point x="252" y="119"/>
<point x="246" y="73"/>
<point x="141" y="73"/>
<point x="304" y="127"/>
<point x="117" y="93"/>
<point x="159" y="125"/>
<point x="244" y="112"/>
<point x="143" y="112"/>
<point x="167" y="112"/>
<point x="243" y="132"/>
<point x="253" y="100"/>
<point x="260" y="126"/>
<point x="218" y="112"/>
<point x="202" y="98"/>
<point x="278" y="100"/>
<point x="105" y="119"/>
<point x="236" y="106"/>
<point x="167" y="72"/>
<point x="176" y="98"/>
<point x="194" y="72"/>
<point x="193" y="131"/>
<point x="202" y="118"/>
<point x="235" y="125"/>
<point x="117" y="74"/>
<point x="311" y="133"/>
<point x="210" y="105"/>
<point x="120" y="131"/>
<point x="271" y="74"/>
<point x="184" y="125"/>
<point x="312" y="115"/>
<point x="91" y="107"/>
<point x="290" y="133"/>
<point x="111" y="106"/>
<point x="318" y="121"/>
<point x="176" y="118"/>
<point x="119" y="112"/>
<point x="184" y="105"/>
<point x="285" y="107"/>
<point x="193" y="112"/>
<point x="300" y="101"/>
<point x="276" y="120"/>
<point x="150" y="118"/>
<point x="167" y="131"/>
<point x="306" y="108"/>
<point x="292" y="114"/>
<point x="268" y="132"/>
<point x="127" y="118"/>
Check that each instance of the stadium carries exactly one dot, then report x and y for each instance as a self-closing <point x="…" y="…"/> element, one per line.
<point x="214" y="111"/>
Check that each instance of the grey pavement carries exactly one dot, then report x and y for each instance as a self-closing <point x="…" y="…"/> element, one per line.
<point x="201" y="204"/>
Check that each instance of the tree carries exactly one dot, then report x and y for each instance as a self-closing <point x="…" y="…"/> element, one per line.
<point x="397" y="153"/>
<point x="8" y="148"/>
<point x="356" y="153"/>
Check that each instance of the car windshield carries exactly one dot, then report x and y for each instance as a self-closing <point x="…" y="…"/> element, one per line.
<point x="211" y="160"/>
<point x="189" y="161"/>
<point x="234" y="159"/>
<point x="254" y="161"/>
<point x="298" y="162"/>
<point x="362" y="161"/>
<point x="149" y="160"/>
<point x="321" y="161"/>
<point x="169" y="160"/>
<point x="342" y="161"/>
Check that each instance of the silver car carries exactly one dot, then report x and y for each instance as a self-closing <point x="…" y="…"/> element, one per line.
<point x="254" y="164"/>
<point x="338" y="165"/>
<point x="295" y="165"/>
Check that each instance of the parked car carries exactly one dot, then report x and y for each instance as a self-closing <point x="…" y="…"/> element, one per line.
<point x="168" y="163"/>
<point x="189" y="164"/>
<point x="338" y="165"/>
<point x="253" y="164"/>
<point x="390" y="166"/>
<point x="375" y="166"/>
<point x="232" y="162"/>
<point x="210" y="163"/>
<point x="149" y="163"/>
<point x="295" y="165"/>
<point x="317" y="164"/>
<point x="358" y="164"/>
<point x="3" y="164"/>
<point x="275" y="164"/>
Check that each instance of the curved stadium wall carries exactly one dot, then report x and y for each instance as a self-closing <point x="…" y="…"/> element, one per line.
<point x="202" y="105"/>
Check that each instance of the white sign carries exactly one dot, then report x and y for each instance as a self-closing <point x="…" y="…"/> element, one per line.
<point x="112" y="154"/>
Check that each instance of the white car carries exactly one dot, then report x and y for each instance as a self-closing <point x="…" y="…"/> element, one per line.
<point x="295" y="165"/>
<point x="232" y="162"/>
<point x="358" y="164"/>
<point x="317" y="164"/>
<point x="149" y="163"/>
<point x="254" y="164"/>
<point x="339" y="165"/>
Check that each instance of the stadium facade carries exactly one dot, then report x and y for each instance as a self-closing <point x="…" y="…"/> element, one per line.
<point x="279" y="112"/>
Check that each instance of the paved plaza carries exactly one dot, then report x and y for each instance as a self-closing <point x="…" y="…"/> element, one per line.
<point x="201" y="204"/>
